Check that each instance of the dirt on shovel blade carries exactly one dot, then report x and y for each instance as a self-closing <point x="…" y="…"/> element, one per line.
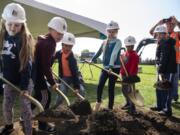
<point x="81" y="107"/>
<point x="58" y="114"/>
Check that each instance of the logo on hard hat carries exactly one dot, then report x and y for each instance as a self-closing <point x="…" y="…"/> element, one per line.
<point x="129" y="40"/>
<point x="69" y="39"/>
<point x="14" y="13"/>
<point x="64" y="27"/>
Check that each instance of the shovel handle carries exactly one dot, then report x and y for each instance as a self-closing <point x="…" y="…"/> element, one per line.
<point x="33" y="100"/>
<point x="77" y="94"/>
<point x="103" y="69"/>
<point x="59" y="92"/>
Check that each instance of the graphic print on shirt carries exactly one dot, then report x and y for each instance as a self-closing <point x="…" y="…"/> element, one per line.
<point x="7" y="49"/>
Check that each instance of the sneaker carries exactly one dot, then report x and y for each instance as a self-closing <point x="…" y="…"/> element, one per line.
<point x="125" y="107"/>
<point x="48" y="129"/>
<point x="97" y="106"/>
<point x="155" y="109"/>
<point x="8" y="129"/>
<point x="165" y="113"/>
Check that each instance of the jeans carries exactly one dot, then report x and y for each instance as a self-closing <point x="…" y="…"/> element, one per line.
<point x="164" y="97"/>
<point x="175" y="95"/>
<point x="125" y="90"/>
<point x="64" y="89"/>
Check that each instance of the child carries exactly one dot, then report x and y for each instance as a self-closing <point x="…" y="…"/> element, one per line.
<point x="130" y="60"/>
<point x="16" y="46"/>
<point x="166" y="67"/>
<point x="111" y="51"/>
<point x="45" y="51"/>
<point x="68" y="69"/>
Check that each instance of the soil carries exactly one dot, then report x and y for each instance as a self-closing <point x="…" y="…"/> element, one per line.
<point x="118" y="122"/>
<point x="81" y="107"/>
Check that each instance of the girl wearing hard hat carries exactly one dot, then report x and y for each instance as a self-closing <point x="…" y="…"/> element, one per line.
<point x="68" y="69"/>
<point x="130" y="60"/>
<point x="45" y="50"/>
<point x="111" y="51"/>
<point x="166" y="67"/>
<point x="16" y="47"/>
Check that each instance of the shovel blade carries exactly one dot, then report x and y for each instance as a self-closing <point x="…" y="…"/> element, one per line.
<point x="136" y="98"/>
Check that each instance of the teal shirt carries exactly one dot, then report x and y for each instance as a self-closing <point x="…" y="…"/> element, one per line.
<point x="111" y="53"/>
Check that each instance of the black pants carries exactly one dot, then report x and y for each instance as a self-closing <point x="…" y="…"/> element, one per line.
<point x="44" y="97"/>
<point x="111" y="84"/>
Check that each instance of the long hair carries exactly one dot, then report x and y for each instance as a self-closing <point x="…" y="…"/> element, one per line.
<point x="27" y="49"/>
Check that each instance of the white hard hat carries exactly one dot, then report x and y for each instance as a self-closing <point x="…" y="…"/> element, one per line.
<point x="129" y="41"/>
<point x="112" y="25"/>
<point x="14" y="12"/>
<point x="59" y="24"/>
<point x="160" y="29"/>
<point x="176" y="29"/>
<point x="68" y="39"/>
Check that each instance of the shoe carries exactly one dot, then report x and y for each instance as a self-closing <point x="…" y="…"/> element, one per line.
<point x="8" y="129"/>
<point x="48" y="129"/>
<point x="97" y="106"/>
<point x="125" y="107"/>
<point x="155" y="109"/>
<point x="165" y="113"/>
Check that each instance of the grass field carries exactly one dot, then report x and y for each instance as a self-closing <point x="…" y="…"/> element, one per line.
<point x="148" y="78"/>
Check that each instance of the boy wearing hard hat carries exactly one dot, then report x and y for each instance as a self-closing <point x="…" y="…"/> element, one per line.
<point x="130" y="59"/>
<point x="68" y="69"/>
<point x="166" y="67"/>
<point x="110" y="49"/>
<point x="45" y="50"/>
<point x="171" y="23"/>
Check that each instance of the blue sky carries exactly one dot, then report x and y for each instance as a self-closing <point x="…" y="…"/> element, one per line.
<point x="135" y="17"/>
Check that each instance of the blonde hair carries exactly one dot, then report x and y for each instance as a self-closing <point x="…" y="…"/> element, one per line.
<point x="27" y="48"/>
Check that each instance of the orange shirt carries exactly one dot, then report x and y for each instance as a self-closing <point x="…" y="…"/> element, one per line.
<point x="65" y="65"/>
<point x="176" y="37"/>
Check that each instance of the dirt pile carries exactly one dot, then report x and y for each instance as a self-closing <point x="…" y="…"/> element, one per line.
<point x="81" y="107"/>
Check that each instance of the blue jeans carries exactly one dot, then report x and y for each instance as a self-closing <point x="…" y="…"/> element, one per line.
<point x="64" y="89"/>
<point x="125" y="90"/>
<point x="164" y="97"/>
<point x="111" y="84"/>
<point x="175" y="95"/>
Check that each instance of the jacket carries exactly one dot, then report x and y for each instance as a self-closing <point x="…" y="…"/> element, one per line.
<point x="73" y="67"/>
<point x="44" y="53"/>
<point x="111" y="53"/>
<point x="166" y="56"/>
<point x="11" y="63"/>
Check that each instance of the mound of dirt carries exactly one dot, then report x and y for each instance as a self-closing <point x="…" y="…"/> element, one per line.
<point x="53" y="115"/>
<point x="81" y="107"/>
<point x="102" y="122"/>
<point x="115" y="122"/>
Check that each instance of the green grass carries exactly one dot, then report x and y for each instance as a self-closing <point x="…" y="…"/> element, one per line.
<point x="148" y="78"/>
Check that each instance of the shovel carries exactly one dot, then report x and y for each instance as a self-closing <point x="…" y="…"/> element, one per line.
<point x="135" y="96"/>
<point x="83" y="103"/>
<point x="29" y="97"/>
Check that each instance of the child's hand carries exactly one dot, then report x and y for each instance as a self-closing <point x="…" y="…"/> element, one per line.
<point x="55" y="86"/>
<point x="24" y="92"/>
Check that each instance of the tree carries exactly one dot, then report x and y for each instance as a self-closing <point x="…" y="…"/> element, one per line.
<point x="85" y="51"/>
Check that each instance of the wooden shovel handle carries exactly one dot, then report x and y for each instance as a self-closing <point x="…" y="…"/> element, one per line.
<point x="103" y="69"/>
<point x="33" y="100"/>
<point x="77" y="94"/>
<point x="59" y="92"/>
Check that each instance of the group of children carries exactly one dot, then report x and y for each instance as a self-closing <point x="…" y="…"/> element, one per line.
<point x="28" y="65"/>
